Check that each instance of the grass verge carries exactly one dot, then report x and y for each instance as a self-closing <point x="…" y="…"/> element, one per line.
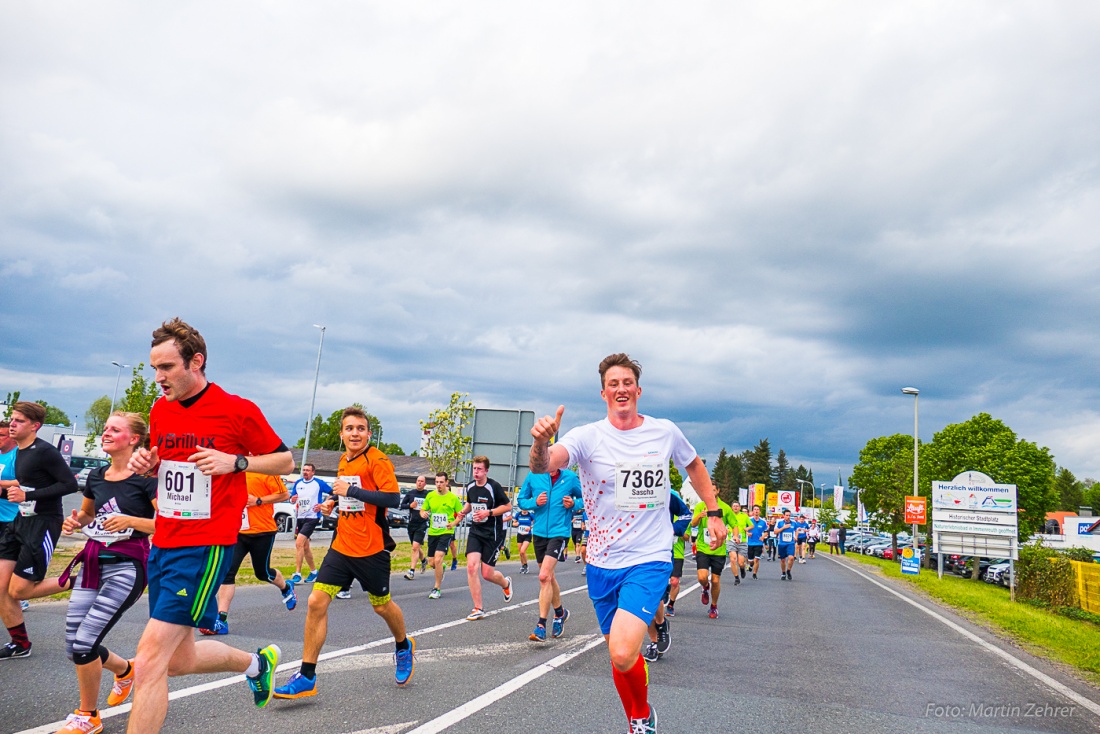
<point x="1043" y="632"/>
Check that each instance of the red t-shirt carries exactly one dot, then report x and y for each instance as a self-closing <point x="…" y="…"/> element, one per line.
<point x="223" y="422"/>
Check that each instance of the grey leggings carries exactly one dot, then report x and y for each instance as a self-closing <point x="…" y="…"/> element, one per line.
<point x="93" y="612"/>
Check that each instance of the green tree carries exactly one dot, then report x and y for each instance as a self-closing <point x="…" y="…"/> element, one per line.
<point x="1071" y="492"/>
<point x="783" y="479"/>
<point x="391" y="449"/>
<point x="884" y="476"/>
<point x="325" y="434"/>
<point x="727" y="476"/>
<point x="675" y="479"/>
<point x="989" y="446"/>
<point x="10" y="401"/>
<point x="54" y="416"/>
<point x="827" y="517"/>
<point x="95" y="418"/>
<point x="447" y="446"/>
<point x="758" y="466"/>
<point x="140" y="394"/>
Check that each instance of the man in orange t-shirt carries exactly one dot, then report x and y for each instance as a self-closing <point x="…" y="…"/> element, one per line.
<point x="256" y="538"/>
<point x="365" y="486"/>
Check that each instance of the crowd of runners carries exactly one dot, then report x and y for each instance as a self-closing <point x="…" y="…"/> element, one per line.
<point x="190" y="493"/>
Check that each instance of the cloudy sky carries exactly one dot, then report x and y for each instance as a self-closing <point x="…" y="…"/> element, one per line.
<point x="785" y="211"/>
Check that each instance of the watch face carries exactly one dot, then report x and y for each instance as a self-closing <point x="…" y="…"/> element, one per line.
<point x="242" y="463"/>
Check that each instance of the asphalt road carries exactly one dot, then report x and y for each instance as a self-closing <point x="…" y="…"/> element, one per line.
<point x="832" y="651"/>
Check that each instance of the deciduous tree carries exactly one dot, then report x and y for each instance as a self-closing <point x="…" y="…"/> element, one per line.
<point x="447" y="446"/>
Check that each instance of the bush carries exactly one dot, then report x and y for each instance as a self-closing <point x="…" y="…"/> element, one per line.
<point x="1084" y="555"/>
<point x="1046" y="575"/>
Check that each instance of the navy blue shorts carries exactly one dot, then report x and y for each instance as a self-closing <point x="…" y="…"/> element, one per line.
<point x="183" y="583"/>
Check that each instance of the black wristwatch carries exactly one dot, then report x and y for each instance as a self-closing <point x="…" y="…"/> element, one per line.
<point x="241" y="464"/>
<point x="714" y="513"/>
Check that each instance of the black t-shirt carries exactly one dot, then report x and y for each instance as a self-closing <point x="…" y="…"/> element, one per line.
<point x="490" y="496"/>
<point x="132" y="496"/>
<point x="413" y="502"/>
<point x="41" y="468"/>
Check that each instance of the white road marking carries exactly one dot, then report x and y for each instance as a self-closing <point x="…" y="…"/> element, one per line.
<point x="485" y="700"/>
<point x="108" y="713"/>
<point x="1004" y="655"/>
<point x="439" y="654"/>
<point x="392" y="729"/>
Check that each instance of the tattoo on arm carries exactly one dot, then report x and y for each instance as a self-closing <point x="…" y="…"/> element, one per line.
<point x="540" y="458"/>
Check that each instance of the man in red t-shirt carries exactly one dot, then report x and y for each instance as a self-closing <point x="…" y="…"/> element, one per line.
<point x="203" y="439"/>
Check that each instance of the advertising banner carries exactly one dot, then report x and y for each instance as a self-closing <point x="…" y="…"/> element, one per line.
<point x="916" y="511"/>
<point x="974" y="491"/>
<point x="838" y="497"/>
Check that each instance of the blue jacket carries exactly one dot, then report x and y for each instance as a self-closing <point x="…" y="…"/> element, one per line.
<point x="552" y="520"/>
<point x="681" y="513"/>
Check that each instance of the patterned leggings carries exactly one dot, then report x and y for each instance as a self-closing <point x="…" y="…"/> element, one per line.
<point x="93" y="612"/>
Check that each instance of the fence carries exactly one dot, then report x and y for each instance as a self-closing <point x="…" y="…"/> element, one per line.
<point x="1088" y="585"/>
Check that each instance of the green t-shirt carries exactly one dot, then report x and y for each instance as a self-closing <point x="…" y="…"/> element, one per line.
<point x="441" y="509"/>
<point x="742" y="522"/>
<point x="702" y="544"/>
<point x="678" y="548"/>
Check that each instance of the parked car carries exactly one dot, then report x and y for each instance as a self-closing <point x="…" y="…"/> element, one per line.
<point x="285" y="523"/>
<point x="397" y="518"/>
<point x="967" y="569"/>
<point x="993" y="573"/>
<point x="888" y="551"/>
<point x="82" y="466"/>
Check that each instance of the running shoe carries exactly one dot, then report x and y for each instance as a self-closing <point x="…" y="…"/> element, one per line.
<point x="297" y="577"/>
<point x="705" y="597"/>
<point x="298" y="686"/>
<point x="24" y="605"/>
<point x="649" y="652"/>
<point x="424" y="565"/>
<point x="289" y="597"/>
<point x="410" y="574"/>
<point x="584" y="570"/>
<point x="664" y="637"/>
<point x="539" y="635"/>
<point x="454" y="564"/>
<point x="12" y="651"/>
<point x="403" y="660"/>
<point x="670" y="610"/>
<point x="507" y="553"/>
<point x="435" y="594"/>
<point x="121" y="688"/>
<point x="736" y="580"/>
<point x="558" y="625"/>
<point x="523" y="568"/>
<point x="263" y="684"/>
<point x="754" y="575"/>
<point x="508" y="588"/>
<point x="312" y="576"/>
<point x="645" y="726"/>
<point x="577" y="560"/>
<point x="713" y="613"/>
<point x="475" y="615"/>
<point x="221" y="627"/>
<point x="79" y="722"/>
<point x="789" y="577"/>
<point x="343" y="594"/>
<point x="783" y="576"/>
<point x="742" y="572"/>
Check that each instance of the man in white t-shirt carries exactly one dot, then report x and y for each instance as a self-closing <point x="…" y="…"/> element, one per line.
<point x="307" y="495"/>
<point x="624" y="467"/>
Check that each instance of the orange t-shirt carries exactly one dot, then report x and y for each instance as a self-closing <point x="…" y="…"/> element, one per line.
<point x="361" y="534"/>
<point x="261" y="519"/>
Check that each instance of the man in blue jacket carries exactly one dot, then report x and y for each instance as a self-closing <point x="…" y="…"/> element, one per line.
<point x="551" y="497"/>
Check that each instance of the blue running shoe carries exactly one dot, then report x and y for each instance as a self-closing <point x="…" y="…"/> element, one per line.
<point x="263" y="684"/>
<point x="454" y="564"/>
<point x="539" y="635"/>
<point x="220" y="628"/>
<point x="559" y="624"/>
<point x="298" y="686"/>
<point x="312" y="576"/>
<point x="289" y="597"/>
<point x="404" y="662"/>
<point x="297" y="578"/>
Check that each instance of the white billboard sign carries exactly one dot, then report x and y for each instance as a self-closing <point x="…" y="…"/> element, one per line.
<point x="786" y="500"/>
<point x="974" y="491"/>
<point x="963" y="528"/>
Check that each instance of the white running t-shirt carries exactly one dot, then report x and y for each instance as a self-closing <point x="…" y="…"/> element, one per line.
<point x="635" y="460"/>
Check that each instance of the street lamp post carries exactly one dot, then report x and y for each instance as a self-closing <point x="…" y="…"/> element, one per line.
<point x="114" y="397"/>
<point x="915" y="393"/>
<point x="313" y="400"/>
<point x="800" y="495"/>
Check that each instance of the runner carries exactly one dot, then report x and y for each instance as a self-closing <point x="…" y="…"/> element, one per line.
<point x="307" y="494"/>
<point x="660" y="636"/>
<point x="486" y="502"/>
<point x="365" y="486"/>
<point x="8" y="511"/>
<point x="758" y="530"/>
<point x="417" y="527"/>
<point x="116" y="514"/>
<point x="710" y="560"/>
<point x="785" y="531"/>
<point x="624" y="465"/>
<point x="551" y="497"/>
<point x="42" y="478"/>
<point x="769" y="539"/>
<point x="813" y="537"/>
<point x="522" y="522"/>
<point x="801" y="532"/>
<point x="256" y="539"/>
<point x="576" y="533"/>
<point x="737" y="542"/>
<point x="202" y="438"/>
<point x="440" y="509"/>
<point x="680" y="528"/>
